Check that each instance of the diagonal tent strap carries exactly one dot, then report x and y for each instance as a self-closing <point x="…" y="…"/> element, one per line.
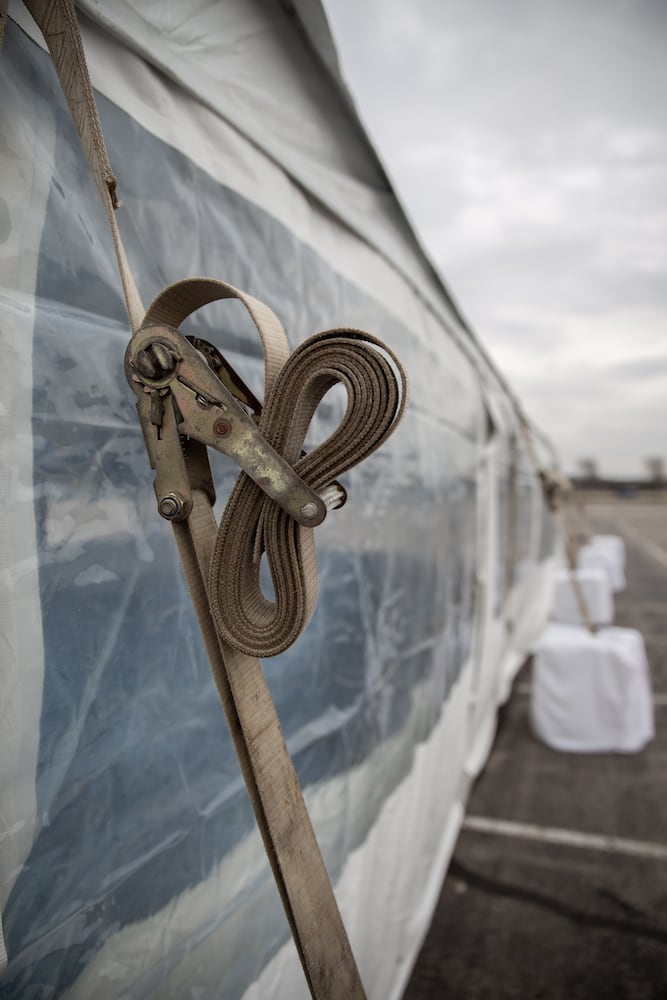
<point x="238" y="623"/>
<point x="222" y="570"/>
<point x="58" y="23"/>
<point x="273" y="787"/>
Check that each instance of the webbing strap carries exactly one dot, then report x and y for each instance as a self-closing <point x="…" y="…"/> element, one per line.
<point x="252" y="522"/>
<point x="282" y="817"/>
<point x="58" y="23"/>
<point x="575" y="583"/>
<point x="214" y="562"/>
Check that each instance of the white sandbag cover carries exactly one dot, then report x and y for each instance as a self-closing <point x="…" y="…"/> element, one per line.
<point x="614" y="543"/>
<point x="600" y="555"/>
<point x="596" y="591"/>
<point x="592" y="693"/>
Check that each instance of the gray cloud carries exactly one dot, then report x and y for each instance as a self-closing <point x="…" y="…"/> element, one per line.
<point x="529" y="143"/>
<point x="642" y="368"/>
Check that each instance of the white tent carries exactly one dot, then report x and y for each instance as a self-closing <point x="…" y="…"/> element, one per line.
<point x="129" y="861"/>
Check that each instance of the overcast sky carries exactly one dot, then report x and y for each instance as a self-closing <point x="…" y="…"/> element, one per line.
<point x="528" y="142"/>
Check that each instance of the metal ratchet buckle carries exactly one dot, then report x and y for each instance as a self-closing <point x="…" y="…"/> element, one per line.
<point x="184" y="407"/>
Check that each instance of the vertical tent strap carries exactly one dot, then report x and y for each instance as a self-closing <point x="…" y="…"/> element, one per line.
<point x="511" y="529"/>
<point x="582" y="604"/>
<point x="282" y="817"/>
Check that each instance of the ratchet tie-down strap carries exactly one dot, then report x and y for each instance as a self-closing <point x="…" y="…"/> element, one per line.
<point x="222" y="565"/>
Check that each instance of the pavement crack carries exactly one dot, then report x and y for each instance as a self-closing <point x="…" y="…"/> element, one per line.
<point x="629" y="908"/>
<point x="496" y="887"/>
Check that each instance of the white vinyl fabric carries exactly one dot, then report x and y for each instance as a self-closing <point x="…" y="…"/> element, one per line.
<point x="130" y="864"/>
<point x="313" y="145"/>
<point x="596" y="591"/>
<point x="601" y="555"/>
<point x="592" y="693"/>
<point x="249" y="52"/>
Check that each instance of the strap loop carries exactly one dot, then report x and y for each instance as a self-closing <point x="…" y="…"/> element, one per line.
<point x="252" y="523"/>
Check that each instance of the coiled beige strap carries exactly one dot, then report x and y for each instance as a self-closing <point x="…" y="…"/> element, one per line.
<point x="252" y="523"/>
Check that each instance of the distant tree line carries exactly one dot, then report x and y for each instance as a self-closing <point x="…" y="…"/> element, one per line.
<point x="588" y="477"/>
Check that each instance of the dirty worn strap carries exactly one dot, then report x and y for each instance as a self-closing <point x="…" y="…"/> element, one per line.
<point x="252" y="523"/>
<point x="582" y="603"/>
<point x="282" y="818"/>
<point x="239" y="623"/>
<point x="273" y="787"/>
<point x="58" y="23"/>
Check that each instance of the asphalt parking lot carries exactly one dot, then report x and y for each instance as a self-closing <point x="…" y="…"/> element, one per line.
<point x="526" y="914"/>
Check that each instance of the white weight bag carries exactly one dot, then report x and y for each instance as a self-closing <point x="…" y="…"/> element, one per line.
<point x="595" y="587"/>
<point x="614" y="543"/>
<point x="598" y="555"/>
<point x="592" y="693"/>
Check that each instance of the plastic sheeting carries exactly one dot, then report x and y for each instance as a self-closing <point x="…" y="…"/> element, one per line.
<point x="130" y="862"/>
